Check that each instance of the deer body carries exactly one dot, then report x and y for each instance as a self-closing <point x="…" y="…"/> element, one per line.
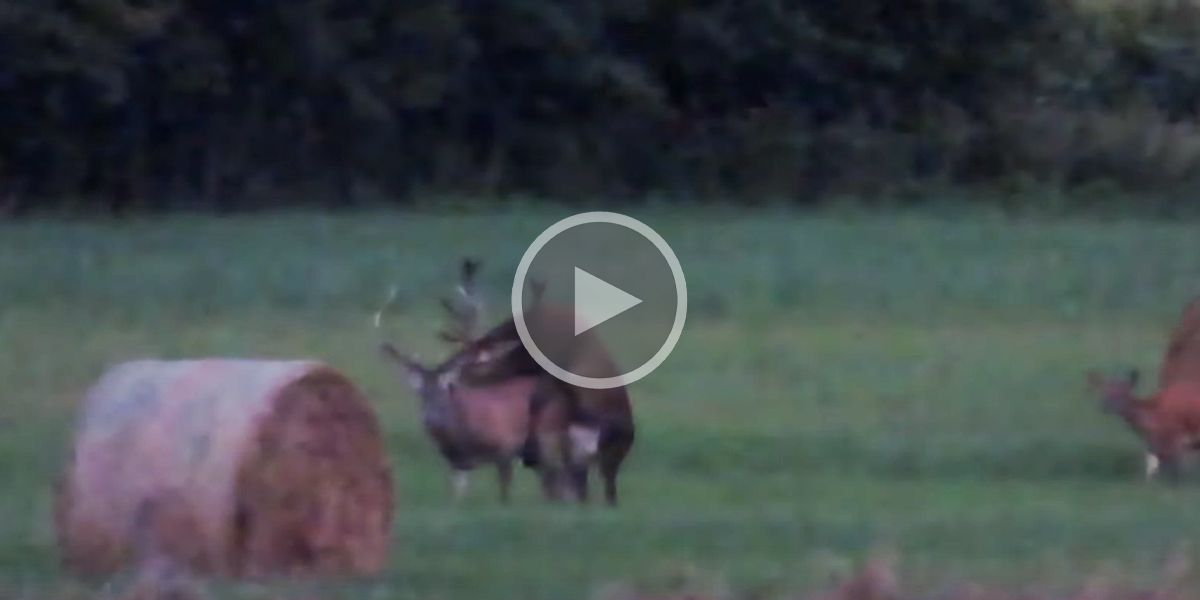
<point x="1168" y="421"/>
<point x="474" y="425"/>
<point x="609" y="411"/>
<point x="474" y="422"/>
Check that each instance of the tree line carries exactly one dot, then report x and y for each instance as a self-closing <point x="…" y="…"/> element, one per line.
<point x="132" y="105"/>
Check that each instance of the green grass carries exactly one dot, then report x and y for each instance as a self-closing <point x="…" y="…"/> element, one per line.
<point x="841" y="380"/>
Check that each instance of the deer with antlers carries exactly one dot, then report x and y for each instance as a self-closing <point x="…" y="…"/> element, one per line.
<point x="606" y="411"/>
<point x="493" y="422"/>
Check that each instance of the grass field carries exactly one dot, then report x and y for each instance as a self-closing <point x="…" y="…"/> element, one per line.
<point x="841" y="380"/>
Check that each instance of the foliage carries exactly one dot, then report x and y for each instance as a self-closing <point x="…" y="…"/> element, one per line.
<point x="151" y="104"/>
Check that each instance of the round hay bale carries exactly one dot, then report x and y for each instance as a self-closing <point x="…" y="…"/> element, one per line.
<point x="1182" y="358"/>
<point x="230" y="467"/>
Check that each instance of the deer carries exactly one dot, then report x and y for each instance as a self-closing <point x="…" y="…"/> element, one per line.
<point x="606" y="411"/>
<point x="486" y="423"/>
<point x="1168" y="421"/>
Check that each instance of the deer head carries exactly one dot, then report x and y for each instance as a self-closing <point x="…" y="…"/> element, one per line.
<point x="434" y="384"/>
<point x="1117" y="394"/>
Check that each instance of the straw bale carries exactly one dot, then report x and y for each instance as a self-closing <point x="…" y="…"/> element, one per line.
<point x="1182" y="358"/>
<point x="231" y="467"/>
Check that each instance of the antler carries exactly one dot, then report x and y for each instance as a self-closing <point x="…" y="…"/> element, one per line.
<point x="466" y="317"/>
<point x="537" y="289"/>
<point x="385" y="345"/>
<point x="391" y="298"/>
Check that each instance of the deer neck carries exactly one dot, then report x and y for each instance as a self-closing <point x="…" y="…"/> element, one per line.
<point x="445" y="416"/>
<point x="1135" y="412"/>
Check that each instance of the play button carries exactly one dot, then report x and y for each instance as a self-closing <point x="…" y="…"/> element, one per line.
<point x="625" y="287"/>
<point x="597" y="301"/>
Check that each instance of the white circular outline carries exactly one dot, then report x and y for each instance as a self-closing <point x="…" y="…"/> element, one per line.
<point x="518" y="305"/>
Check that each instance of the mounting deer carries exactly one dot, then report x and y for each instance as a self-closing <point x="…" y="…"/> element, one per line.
<point x="1168" y="421"/>
<point x="487" y="423"/>
<point x="605" y="410"/>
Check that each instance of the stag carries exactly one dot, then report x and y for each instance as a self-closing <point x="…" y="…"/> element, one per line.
<point x="607" y="412"/>
<point x="474" y="424"/>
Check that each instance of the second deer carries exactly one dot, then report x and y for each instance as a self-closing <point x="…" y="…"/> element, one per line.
<point x="1168" y="421"/>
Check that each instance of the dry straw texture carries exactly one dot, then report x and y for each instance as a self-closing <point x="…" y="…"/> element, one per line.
<point x="228" y="467"/>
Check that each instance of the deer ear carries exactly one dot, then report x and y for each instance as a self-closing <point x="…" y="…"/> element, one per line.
<point x="1134" y="376"/>
<point x="537" y="289"/>
<point x="469" y="266"/>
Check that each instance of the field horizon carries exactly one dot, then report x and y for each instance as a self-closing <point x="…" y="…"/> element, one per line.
<point x="842" y="380"/>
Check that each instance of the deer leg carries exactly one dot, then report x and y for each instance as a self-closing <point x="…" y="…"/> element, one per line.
<point x="529" y="452"/>
<point x="1170" y="466"/>
<point x="556" y="481"/>
<point x="583" y="447"/>
<point x="608" y="473"/>
<point x="504" y="470"/>
<point x="614" y="445"/>
<point x="1152" y="463"/>
<point x="1168" y="458"/>
<point x="1171" y="448"/>
<point x="579" y="481"/>
<point x="459" y="480"/>
<point x="553" y="465"/>
<point x="550" y="483"/>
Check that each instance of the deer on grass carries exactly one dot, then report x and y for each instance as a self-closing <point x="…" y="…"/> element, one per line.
<point x="1168" y="421"/>
<point x="489" y="423"/>
<point x="606" y="411"/>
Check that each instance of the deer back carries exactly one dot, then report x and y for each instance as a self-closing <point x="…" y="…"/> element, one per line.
<point x="1182" y="358"/>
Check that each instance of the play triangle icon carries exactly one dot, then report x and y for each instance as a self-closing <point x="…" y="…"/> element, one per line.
<point x="597" y="301"/>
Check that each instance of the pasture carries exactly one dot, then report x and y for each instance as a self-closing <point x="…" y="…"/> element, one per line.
<point x="841" y="380"/>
